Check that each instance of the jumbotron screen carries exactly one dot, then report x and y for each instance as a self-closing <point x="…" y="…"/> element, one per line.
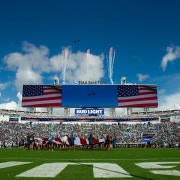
<point x="89" y="96"/>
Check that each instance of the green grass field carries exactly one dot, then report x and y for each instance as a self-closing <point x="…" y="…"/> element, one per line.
<point x="117" y="163"/>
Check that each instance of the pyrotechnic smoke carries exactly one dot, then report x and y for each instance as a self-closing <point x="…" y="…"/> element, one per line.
<point x="66" y="54"/>
<point x="111" y="63"/>
<point x="87" y="61"/>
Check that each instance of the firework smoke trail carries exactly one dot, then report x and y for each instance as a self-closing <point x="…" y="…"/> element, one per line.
<point x="87" y="61"/>
<point x="66" y="56"/>
<point x="111" y="63"/>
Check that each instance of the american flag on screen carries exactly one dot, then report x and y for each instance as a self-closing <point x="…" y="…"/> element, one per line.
<point x="42" y="95"/>
<point x="137" y="96"/>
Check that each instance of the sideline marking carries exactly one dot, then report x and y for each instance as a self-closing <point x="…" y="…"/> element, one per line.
<point x="12" y="163"/>
<point x="139" y="159"/>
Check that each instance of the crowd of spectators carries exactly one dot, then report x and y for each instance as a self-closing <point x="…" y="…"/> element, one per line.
<point x="166" y="134"/>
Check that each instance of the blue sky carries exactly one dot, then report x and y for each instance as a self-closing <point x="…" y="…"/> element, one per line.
<point x="90" y="40"/>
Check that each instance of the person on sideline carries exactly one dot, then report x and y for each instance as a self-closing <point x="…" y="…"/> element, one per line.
<point x="72" y="139"/>
<point x="91" y="141"/>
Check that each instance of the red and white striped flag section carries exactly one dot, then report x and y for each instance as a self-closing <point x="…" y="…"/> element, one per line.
<point x="137" y="96"/>
<point x="42" y="96"/>
<point x="78" y="141"/>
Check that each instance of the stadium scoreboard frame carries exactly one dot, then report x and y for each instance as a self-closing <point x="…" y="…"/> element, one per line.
<point x="90" y="96"/>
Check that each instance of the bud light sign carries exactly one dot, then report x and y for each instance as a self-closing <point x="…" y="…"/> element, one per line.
<point x="89" y="112"/>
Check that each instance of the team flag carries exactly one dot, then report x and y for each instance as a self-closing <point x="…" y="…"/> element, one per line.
<point x="42" y="96"/>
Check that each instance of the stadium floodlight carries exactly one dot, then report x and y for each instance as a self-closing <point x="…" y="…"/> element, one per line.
<point x="123" y="80"/>
<point x="56" y="80"/>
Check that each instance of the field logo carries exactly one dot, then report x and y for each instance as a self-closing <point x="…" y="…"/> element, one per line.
<point x="158" y="165"/>
<point x="100" y="170"/>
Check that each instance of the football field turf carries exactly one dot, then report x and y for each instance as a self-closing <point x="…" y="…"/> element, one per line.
<point x="120" y="163"/>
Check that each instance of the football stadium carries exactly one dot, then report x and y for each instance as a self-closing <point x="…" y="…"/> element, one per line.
<point x="90" y="140"/>
<point x="90" y="90"/>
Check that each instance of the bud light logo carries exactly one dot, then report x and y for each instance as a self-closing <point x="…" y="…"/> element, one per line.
<point x="88" y="112"/>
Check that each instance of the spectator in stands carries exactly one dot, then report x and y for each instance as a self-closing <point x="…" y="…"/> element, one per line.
<point x="166" y="133"/>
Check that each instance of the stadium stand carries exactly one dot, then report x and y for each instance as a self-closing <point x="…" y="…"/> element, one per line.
<point x="138" y="134"/>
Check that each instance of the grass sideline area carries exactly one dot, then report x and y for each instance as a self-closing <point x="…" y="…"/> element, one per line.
<point x="84" y="164"/>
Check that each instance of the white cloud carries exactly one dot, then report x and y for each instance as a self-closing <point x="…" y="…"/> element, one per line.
<point x="3" y="85"/>
<point x="31" y="65"/>
<point x="173" y="53"/>
<point x="170" y="101"/>
<point x="161" y="91"/>
<point x="142" y="77"/>
<point x="168" y="90"/>
<point x="10" y="106"/>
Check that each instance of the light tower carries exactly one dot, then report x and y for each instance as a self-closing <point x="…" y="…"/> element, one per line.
<point x="123" y="80"/>
<point x="56" y="80"/>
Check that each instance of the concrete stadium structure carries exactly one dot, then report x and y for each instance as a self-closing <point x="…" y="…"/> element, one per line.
<point x="174" y="115"/>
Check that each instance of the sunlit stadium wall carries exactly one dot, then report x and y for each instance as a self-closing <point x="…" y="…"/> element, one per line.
<point x="175" y="118"/>
<point x="4" y="117"/>
<point x="13" y="116"/>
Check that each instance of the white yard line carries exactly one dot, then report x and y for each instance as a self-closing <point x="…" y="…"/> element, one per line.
<point x="89" y="159"/>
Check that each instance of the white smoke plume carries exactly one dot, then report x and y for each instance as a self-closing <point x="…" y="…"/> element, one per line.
<point x="173" y="53"/>
<point x="33" y="65"/>
<point x="142" y="77"/>
<point x="111" y="59"/>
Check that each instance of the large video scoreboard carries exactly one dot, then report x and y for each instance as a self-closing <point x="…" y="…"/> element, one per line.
<point x="90" y="96"/>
